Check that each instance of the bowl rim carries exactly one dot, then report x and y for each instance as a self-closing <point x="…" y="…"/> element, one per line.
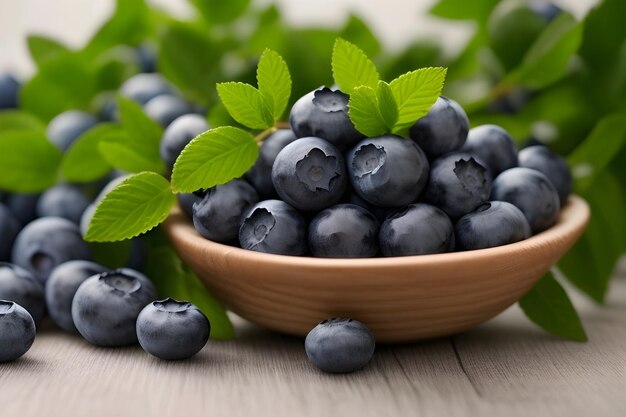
<point x="573" y="218"/>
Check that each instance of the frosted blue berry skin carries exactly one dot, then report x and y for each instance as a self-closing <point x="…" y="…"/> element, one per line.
<point x="172" y="330"/>
<point x="19" y="285"/>
<point x="65" y="128"/>
<point x="166" y="108"/>
<point x="493" y="147"/>
<point x="65" y="201"/>
<point x="260" y="175"/>
<point x="178" y="134"/>
<point x="551" y="165"/>
<point x="340" y="345"/>
<point x="142" y="88"/>
<point x="17" y="331"/>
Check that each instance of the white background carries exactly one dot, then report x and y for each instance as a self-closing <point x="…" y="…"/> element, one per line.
<point x="396" y="22"/>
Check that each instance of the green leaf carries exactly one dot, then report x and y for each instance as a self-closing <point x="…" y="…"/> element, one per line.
<point x="214" y="157"/>
<point x="415" y="93"/>
<point x="548" y="306"/>
<point x="547" y="59"/>
<point x="190" y="59"/>
<point x="138" y="204"/>
<point x="351" y="67"/>
<point x="111" y="254"/>
<point x="114" y="66"/>
<point x="219" y="11"/>
<point x="29" y="161"/>
<point x="364" y="113"/>
<point x="598" y="150"/>
<point x="274" y="82"/>
<point x="478" y="10"/>
<point x="42" y="48"/>
<point x="63" y="82"/>
<point x="387" y="106"/>
<point x="172" y="279"/>
<point x="136" y="123"/>
<point x="246" y="105"/>
<point x="83" y="162"/>
<point x="17" y="119"/>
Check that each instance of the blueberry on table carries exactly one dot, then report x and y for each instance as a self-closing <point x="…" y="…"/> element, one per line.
<point x="443" y="130"/>
<point x="310" y="174"/>
<point x="142" y="88"/>
<point x="551" y="165"/>
<point x="106" y="306"/>
<point x="17" y="331"/>
<point x="323" y="113"/>
<point x="9" y="90"/>
<point x="418" y="229"/>
<point x="495" y="223"/>
<point x="388" y="171"/>
<point x="64" y="201"/>
<point x="65" y="128"/>
<point x="217" y="216"/>
<point x="457" y="185"/>
<point x="19" y="286"/>
<point x="172" y="330"/>
<point x="260" y="175"/>
<point x="340" y="345"/>
<point x="273" y="226"/>
<point x="166" y="108"/>
<point x="532" y="193"/>
<point x="47" y="242"/>
<point x="493" y="147"/>
<point x="344" y="231"/>
<point x="178" y="134"/>
<point x="9" y="228"/>
<point x="62" y="286"/>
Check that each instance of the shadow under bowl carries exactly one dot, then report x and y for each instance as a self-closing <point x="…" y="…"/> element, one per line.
<point x="401" y="299"/>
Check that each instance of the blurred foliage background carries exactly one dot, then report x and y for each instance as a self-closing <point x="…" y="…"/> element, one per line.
<point x="531" y="67"/>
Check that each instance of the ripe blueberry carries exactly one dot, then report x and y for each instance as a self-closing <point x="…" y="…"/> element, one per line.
<point x="492" y="147"/>
<point x="142" y="88"/>
<point x="19" y="285"/>
<point x="23" y="206"/>
<point x="63" y="200"/>
<point x="64" y="129"/>
<point x="9" y="228"/>
<point x="551" y="165"/>
<point x="164" y="109"/>
<point x="187" y="200"/>
<point x="178" y="134"/>
<point x="260" y="175"/>
<point x="17" y="331"/>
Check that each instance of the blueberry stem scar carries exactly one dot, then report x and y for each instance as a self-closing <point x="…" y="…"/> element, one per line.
<point x="267" y="132"/>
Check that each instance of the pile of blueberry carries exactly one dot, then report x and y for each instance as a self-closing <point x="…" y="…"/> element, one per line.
<point x="321" y="189"/>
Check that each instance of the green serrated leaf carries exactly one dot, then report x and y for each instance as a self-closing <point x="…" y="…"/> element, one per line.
<point x="29" y="161"/>
<point x="415" y="92"/>
<point x="219" y="11"/>
<point x="214" y="157"/>
<point x="83" y="162"/>
<point x="141" y="202"/>
<point x="364" y="112"/>
<point x="17" y="119"/>
<point x="43" y="48"/>
<point x="351" y="67"/>
<point x="274" y="82"/>
<point x="246" y="105"/>
<point x="548" y="306"/>
<point x="387" y="106"/>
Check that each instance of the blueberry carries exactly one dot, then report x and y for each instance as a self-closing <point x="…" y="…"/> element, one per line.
<point x="9" y="90"/>
<point x="495" y="223"/>
<point x="19" y="285"/>
<point x="63" y="200"/>
<point x="178" y="134"/>
<point x="340" y="345"/>
<point x="23" y="206"/>
<point x="492" y="147"/>
<point x="273" y="226"/>
<point x="142" y="88"/>
<point x="9" y="228"/>
<point x="344" y="231"/>
<point x="172" y="330"/>
<point x="187" y="200"/>
<point x="418" y="229"/>
<point x="105" y="107"/>
<point x="532" y="193"/>
<point x="443" y="130"/>
<point x="17" y="331"/>
<point x="147" y="57"/>
<point x="310" y="174"/>
<point x="62" y="286"/>
<point x="458" y="184"/>
<point x="218" y="216"/>
<point x="164" y="109"/>
<point x="323" y="113"/>
<point x="548" y="11"/>
<point x="260" y="175"/>
<point x="551" y="165"/>
<point x="47" y="242"/>
<point x="106" y="306"/>
<point x="64" y="129"/>
<point x="388" y="171"/>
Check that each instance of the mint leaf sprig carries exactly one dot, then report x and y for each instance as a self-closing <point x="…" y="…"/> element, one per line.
<point x="378" y="107"/>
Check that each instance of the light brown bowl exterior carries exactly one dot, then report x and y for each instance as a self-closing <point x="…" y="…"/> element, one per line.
<point x="402" y="299"/>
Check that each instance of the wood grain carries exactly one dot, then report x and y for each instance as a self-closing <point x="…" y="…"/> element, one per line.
<point x="505" y="367"/>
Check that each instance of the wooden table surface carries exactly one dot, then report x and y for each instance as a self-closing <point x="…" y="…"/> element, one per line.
<point x="506" y="367"/>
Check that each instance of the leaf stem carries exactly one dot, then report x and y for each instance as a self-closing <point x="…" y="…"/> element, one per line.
<point x="267" y="132"/>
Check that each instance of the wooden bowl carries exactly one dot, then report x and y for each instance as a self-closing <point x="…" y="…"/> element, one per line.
<point x="401" y="299"/>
